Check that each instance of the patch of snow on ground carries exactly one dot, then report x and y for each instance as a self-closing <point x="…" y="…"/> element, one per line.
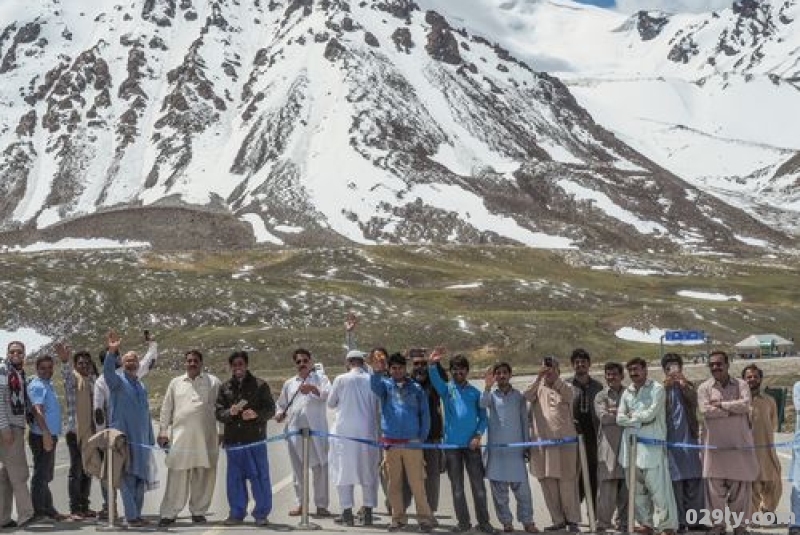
<point x="465" y="286"/>
<point x="288" y="229"/>
<point x="755" y="242"/>
<point x="462" y="325"/>
<point x="708" y="296"/>
<point x="260" y="229"/>
<point x="643" y="272"/>
<point x="32" y="339"/>
<point x="68" y="244"/>
<point x="653" y="336"/>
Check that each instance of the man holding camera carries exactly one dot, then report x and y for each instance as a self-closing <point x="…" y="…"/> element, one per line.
<point x="301" y="405"/>
<point x="188" y="430"/>
<point x="683" y="427"/>
<point x="245" y="405"/>
<point x="556" y="467"/>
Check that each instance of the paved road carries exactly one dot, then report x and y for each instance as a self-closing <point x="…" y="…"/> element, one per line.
<point x="283" y="498"/>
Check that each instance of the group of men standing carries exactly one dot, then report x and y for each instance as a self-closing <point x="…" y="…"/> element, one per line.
<point x="680" y="467"/>
<point x="377" y="401"/>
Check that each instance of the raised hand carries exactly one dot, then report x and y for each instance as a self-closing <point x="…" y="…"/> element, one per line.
<point x="62" y="351"/>
<point x="113" y="341"/>
<point x="350" y="322"/>
<point x="437" y="354"/>
<point x="488" y="377"/>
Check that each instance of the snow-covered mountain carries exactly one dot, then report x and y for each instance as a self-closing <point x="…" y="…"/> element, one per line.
<point x="373" y="122"/>
<point x="713" y="97"/>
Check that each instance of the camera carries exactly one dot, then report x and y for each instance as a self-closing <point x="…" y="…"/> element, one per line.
<point x="548" y="362"/>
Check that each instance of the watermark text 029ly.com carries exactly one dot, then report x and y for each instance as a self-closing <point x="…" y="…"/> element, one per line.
<point x="718" y="516"/>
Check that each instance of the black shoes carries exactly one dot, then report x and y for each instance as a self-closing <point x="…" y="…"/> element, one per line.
<point x="164" y="522"/>
<point x="199" y="519"/>
<point x="366" y="517"/>
<point x="346" y="518"/>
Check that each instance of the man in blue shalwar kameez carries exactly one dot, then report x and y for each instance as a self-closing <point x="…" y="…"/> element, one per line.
<point x="130" y="414"/>
<point x="505" y="468"/>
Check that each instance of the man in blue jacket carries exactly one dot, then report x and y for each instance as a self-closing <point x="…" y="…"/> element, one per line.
<point x="464" y="424"/>
<point x="405" y="422"/>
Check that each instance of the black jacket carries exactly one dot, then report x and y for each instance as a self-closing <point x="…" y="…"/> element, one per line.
<point x="259" y="398"/>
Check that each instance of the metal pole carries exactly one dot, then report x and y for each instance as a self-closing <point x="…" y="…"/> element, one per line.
<point x="112" y="492"/>
<point x="304" y="523"/>
<point x="631" y="475"/>
<point x="587" y="484"/>
<point x="662" y="346"/>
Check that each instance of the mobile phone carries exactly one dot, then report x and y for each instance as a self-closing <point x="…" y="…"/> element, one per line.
<point x="673" y="369"/>
<point x="146" y="333"/>
<point x="319" y="368"/>
<point x="548" y="362"/>
<point x="241" y="404"/>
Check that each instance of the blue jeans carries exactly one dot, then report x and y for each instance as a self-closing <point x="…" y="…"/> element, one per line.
<point x="248" y="464"/>
<point x="522" y="494"/>
<point x="44" y="463"/>
<point x="795" y="504"/>
<point x="132" y="491"/>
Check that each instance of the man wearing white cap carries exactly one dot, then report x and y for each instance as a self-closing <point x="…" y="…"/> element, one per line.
<point x="354" y="463"/>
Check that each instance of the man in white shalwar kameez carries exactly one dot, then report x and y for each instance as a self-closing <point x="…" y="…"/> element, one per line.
<point x="354" y="463"/>
<point x="302" y="406"/>
<point x="188" y="428"/>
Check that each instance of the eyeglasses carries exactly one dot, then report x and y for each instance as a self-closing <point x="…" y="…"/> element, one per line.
<point x="15" y="352"/>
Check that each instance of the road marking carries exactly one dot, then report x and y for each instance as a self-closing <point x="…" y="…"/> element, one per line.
<point x="276" y="488"/>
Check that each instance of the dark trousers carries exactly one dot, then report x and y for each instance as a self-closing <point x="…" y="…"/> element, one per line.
<point x="590" y="443"/>
<point x="434" y="463"/>
<point x="79" y="482"/>
<point x="248" y="463"/>
<point x="44" y="464"/>
<point x="689" y="494"/>
<point x="457" y="461"/>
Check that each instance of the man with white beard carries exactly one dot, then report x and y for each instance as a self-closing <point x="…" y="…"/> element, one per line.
<point x="354" y="463"/>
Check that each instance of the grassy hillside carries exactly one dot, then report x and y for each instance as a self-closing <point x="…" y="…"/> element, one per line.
<point x="508" y="302"/>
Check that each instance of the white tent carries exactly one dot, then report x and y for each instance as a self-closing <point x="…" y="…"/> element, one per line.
<point x="766" y="343"/>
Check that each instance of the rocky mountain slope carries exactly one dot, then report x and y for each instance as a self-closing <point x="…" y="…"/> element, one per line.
<point x="713" y="97"/>
<point x="318" y="122"/>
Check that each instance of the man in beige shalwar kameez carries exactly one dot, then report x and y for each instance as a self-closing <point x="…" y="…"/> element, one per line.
<point x="612" y="492"/>
<point x="556" y="467"/>
<point x="188" y="428"/>
<point x="767" y="488"/>
<point x="729" y="473"/>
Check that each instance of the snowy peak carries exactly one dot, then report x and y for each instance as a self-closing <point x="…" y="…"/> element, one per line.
<point x="376" y="122"/>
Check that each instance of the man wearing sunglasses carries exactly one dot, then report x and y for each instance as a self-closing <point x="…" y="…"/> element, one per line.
<point x="13" y="465"/>
<point x="301" y="405"/>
